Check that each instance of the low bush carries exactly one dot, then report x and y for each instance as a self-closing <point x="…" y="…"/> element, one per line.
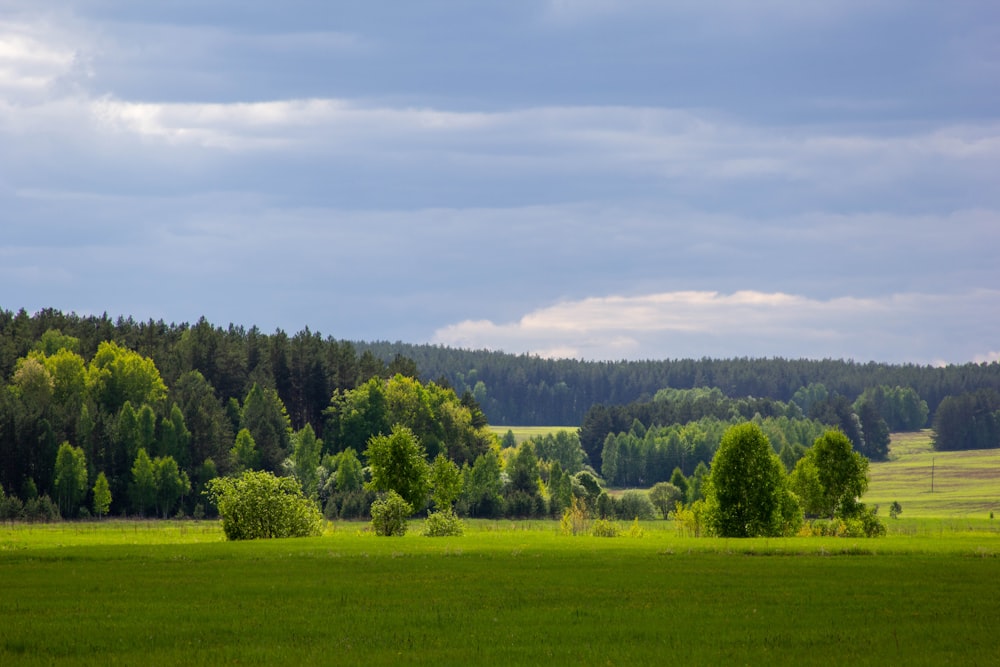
<point x="389" y="514"/>
<point x="443" y="524"/>
<point x="604" y="528"/>
<point x="258" y="505"/>
<point x="635" y="505"/>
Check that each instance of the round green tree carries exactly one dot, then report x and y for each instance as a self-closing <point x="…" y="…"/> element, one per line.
<point x="746" y="493"/>
<point x="398" y="463"/>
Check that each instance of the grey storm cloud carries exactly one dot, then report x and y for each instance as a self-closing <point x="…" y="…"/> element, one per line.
<point x="506" y="179"/>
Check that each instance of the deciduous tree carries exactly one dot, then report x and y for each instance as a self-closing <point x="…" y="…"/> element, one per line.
<point x="70" y="478"/>
<point x="746" y="485"/>
<point x="102" y="495"/>
<point x="398" y="463"/>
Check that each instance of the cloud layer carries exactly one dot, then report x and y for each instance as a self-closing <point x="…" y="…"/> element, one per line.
<point x="568" y="177"/>
<point x="753" y="324"/>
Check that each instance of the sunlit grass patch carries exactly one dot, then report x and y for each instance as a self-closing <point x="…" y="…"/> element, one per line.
<point x="965" y="483"/>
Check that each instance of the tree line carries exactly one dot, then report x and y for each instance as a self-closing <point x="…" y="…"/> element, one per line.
<point x="305" y="368"/>
<point x="159" y="410"/>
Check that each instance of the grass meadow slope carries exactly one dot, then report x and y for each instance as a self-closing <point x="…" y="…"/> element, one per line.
<point x="965" y="483"/>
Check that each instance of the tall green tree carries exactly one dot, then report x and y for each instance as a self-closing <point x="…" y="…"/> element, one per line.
<point x="102" y="495"/>
<point x="446" y="482"/>
<point x="70" y="478"/>
<point x="304" y="462"/>
<point x="171" y="484"/>
<point x="264" y="415"/>
<point x="484" y="488"/>
<point x="746" y="485"/>
<point x="398" y="463"/>
<point x="841" y="473"/>
<point x="142" y="490"/>
<point x="211" y="435"/>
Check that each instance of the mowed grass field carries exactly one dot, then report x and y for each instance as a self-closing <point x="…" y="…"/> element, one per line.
<point x="505" y="593"/>
<point x="965" y="483"/>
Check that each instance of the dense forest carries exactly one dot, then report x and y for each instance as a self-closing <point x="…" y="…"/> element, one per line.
<point x="305" y="368"/>
<point x="177" y="404"/>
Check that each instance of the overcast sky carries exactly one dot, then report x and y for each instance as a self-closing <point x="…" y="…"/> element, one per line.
<point x="600" y="179"/>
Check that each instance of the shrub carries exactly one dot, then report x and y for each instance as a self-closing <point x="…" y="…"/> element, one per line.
<point x="40" y="509"/>
<point x="575" y="520"/>
<point x="258" y="505"/>
<point x="11" y="508"/>
<point x="870" y="523"/>
<point x="635" y="505"/>
<point x="389" y="514"/>
<point x="443" y="524"/>
<point x="604" y="528"/>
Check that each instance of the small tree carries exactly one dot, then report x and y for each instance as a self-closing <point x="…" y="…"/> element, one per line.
<point x="389" y="514"/>
<point x="446" y="482"/>
<point x="895" y="509"/>
<point x="102" y="495"/>
<point x="665" y="496"/>
<point x="258" y="505"/>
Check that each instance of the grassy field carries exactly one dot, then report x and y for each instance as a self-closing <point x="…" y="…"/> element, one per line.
<point x="504" y="593"/>
<point x="966" y="483"/>
<point x="522" y="433"/>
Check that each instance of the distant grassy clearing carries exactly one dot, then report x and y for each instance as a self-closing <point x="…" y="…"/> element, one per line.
<point x="522" y="433"/>
<point x="966" y="483"/>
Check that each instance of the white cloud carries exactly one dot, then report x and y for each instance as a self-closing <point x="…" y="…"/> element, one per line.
<point x="744" y="323"/>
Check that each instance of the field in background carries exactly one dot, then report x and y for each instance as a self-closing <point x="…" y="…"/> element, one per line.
<point x="522" y="433"/>
<point x="966" y="483"/>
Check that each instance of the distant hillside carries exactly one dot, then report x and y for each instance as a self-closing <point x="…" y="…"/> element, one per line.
<point x="965" y="483"/>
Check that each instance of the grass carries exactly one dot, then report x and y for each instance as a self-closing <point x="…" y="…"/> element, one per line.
<point x="522" y="433"/>
<point x="505" y="593"/>
<point x="966" y="483"/>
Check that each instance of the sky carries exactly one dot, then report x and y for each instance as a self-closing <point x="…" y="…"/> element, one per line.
<point x="594" y="179"/>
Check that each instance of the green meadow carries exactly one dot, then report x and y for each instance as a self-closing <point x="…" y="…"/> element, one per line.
<point x="522" y="433"/>
<point x="504" y="593"/>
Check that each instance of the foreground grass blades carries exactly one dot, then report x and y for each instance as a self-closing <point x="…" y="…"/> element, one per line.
<point x="505" y="593"/>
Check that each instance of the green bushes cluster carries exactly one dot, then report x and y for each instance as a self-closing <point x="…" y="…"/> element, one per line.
<point x="389" y="514"/>
<point x="258" y="505"/>
<point x="865" y="524"/>
<point x="443" y="524"/>
<point x="604" y="528"/>
<point x="39" y="509"/>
